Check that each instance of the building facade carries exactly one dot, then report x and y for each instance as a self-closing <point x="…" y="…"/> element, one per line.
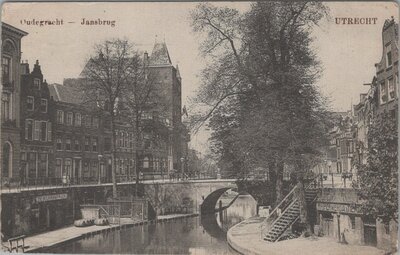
<point x="339" y="209"/>
<point x="81" y="145"/>
<point x="10" y="101"/>
<point x="36" y="125"/>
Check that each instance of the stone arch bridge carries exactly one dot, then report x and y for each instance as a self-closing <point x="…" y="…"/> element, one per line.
<point x="196" y="196"/>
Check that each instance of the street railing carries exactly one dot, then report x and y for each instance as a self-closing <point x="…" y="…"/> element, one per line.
<point x="17" y="184"/>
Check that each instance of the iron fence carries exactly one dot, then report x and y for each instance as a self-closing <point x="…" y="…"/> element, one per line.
<point x="11" y="184"/>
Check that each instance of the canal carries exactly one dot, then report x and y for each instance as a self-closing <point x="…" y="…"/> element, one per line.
<point x="197" y="235"/>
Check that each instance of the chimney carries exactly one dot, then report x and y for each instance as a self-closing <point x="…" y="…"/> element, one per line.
<point x="24" y="68"/>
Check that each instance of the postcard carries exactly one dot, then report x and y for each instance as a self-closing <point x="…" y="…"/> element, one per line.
<point x="207" y="127"/>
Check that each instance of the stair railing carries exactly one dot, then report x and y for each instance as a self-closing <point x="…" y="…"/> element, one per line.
<point x="281" y="208"/>
<point x="277" y="212"/>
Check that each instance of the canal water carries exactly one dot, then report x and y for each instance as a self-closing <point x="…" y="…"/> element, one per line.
<point x="197" y="235"/>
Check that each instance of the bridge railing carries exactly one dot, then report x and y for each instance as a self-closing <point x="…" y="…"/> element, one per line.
<point x="17" y="184"/>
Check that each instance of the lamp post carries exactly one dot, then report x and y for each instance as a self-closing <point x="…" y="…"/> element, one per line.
<point x="330" y="171"/>
<point x="182" y="166"/>
<point x="100" y="162"/>
<point x="338" y="224"/>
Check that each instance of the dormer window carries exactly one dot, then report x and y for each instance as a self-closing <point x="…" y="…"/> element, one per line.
<point x="36" y="83"/>
<point x="388" y="50"/>
<point x="6" y="68"/>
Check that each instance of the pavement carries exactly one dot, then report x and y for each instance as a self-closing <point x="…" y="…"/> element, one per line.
<point x="245" y="238"/>
<point x="70" y="233"/>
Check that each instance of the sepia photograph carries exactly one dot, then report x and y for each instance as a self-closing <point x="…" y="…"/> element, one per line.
<point x="199" y="127"/>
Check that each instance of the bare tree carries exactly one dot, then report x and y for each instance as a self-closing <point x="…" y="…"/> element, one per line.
<point x="264" y="107"/>
<point x="106" y="79"/>
<point x="142" y="97"/>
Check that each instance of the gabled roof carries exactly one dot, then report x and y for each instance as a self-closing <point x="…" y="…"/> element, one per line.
<point x="159" y="55"/>
<point x="65" y="94"/>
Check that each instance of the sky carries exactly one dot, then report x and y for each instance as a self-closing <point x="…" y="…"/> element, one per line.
<point x="347" y="52"/>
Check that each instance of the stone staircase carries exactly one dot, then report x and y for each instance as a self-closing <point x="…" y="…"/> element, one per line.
<point x="286" y="213"/>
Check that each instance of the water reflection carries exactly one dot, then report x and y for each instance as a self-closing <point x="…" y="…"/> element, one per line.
<point x="198" y="235"/>
<point x="244" y="207"/>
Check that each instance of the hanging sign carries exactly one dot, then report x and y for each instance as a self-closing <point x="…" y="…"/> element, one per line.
<point x="52" y="197"/>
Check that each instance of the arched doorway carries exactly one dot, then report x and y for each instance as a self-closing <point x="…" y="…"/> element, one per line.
<point x="7" y="160"/>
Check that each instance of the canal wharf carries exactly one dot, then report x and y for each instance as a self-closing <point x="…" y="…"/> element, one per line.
<point x="40" y="242"/>
<point x="245" y="238"/>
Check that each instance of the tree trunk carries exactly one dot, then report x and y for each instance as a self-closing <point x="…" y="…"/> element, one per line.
<point x="113" y="151"/>
<point x="301" y="195"/>
<point x="138" y="145"/>
<point x="279" y="183"/>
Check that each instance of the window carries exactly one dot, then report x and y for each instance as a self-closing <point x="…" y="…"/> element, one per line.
<point x="146" y="162"/>
<point x="49" y="132"/>
<point x="95" y="122"/>
<point x="23" y="156"/>
<point x="388" y="50"/>
<point x="43" y="105"/>
<point x="6" y="106"/>
<point x="353" y="221"/>
<point x="131" y="141"/>
<point x="6" y="68"/>
<point x="94" y="144"/>
<point x="68" y="144"/>
<point x="67" y="167"/>
<point x="30" y="103"/>
<point x="88" y="121"/>
<point x="43" y="131"/>
<point x="58" y="167"/>
<point x="32" y="165"/>
<point x="126" y="140"/>
<point x="42" y="165"/>
<point x="77" y="146"/>
<point x="60" y="117"/>
<point x="86" y="172"/>
<point x="121" y="139"/>
<point x="392" y="89"/>
<point x="107" y="144"/>
<point x="36" y="83"/>
<point x="59" y="144"/>
<point x="122" y="166"/>
<point x="383" y="93"/>
<point x="87" y="144"/>
<point x="36" y="134"/>
<point x="94" y="168"/>
<point x="70" y="117"/>
<point x="78" y="119"/>
<point x="7" y="157"/>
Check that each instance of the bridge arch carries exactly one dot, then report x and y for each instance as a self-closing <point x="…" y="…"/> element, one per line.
<point x="208" y="205"/>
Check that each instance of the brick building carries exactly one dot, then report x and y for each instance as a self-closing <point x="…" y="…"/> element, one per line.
<point x="168" y="76"/>
<point x="80" y="143"/>
<point x="10" y="101"/>
<point x="36" y="125"/>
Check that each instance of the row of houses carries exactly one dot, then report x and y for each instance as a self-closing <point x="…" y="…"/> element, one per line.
<point x="48" y="135"/>
<point x="348" y="138"/>
<point x="338" y="207"/>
